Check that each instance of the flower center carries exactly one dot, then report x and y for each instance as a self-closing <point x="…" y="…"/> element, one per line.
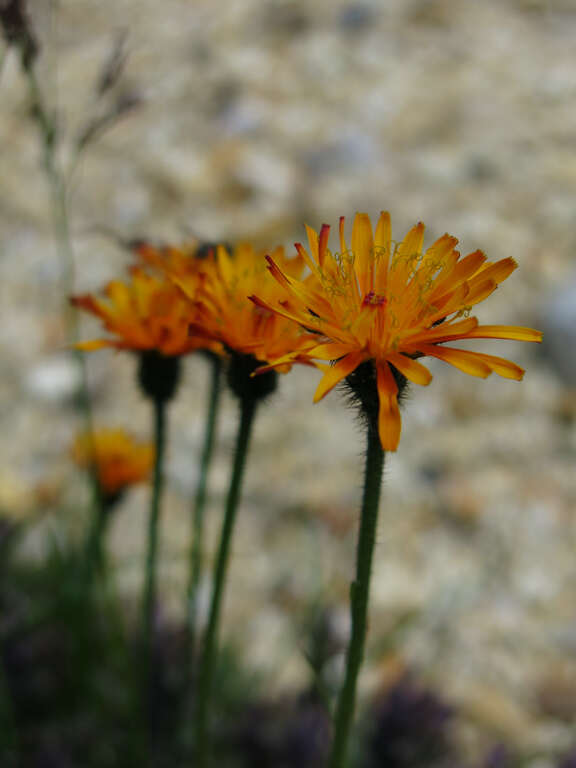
<point x="373" y="300"/>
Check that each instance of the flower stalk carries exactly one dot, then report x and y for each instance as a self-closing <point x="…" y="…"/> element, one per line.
<point x="158" y="376"/>
<point x="95" y="549"/>
<point x="205" y="685"/>
<point x="197" y="547"/>
<point x="250" y="392"/>
<point x="359" y="597"/>
<point x="116" y="461"/>
<point x="362" y="387"/>
<point x="149" y="604"/>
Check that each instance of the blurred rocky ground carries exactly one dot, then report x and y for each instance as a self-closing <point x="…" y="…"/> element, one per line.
<point x="249" y="119"/>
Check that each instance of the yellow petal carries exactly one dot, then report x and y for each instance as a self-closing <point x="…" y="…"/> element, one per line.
<point x="363" y="250"/>
<point x="444" y="332"/>
<point x="330" y="351"/>
<point x="90" y="304"/>
<point x="309" y="297"/>
<point x="498" y="271"/>
<point x="120" y="297"/>
<point x="480" y="291"/>
<point x="406" y="258"/>
<point x="91" y="346"/>
<point x="450" y="302"/>
<point x="411" y="246"/>
<point x="363" y="324"/>
<point x="462" y="270"/>
<point x="337" y="372"/>
<point x="312" y="242"/>
<point x="343" y="246"/>
<point x="436" y="256"/>
<point x="389" y="420"/>
<point x="280" y="362"/>
<point x="323" y="243"/>
<point x="505" y="332"/>
<point x="501" y="366"/>
<point x="412" y="369"/>
<point x="465" y="361"/>
<point x="383" y="234"/>
<point x="309" y="261"/>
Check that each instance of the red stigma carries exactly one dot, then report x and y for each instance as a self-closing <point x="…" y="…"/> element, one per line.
<point x="373" y="300"/>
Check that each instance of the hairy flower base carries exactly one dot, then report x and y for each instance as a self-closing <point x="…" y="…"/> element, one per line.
<point x="242" y="381"/>
<point x="391" y="303"/>
<point x="362" y="386"/>
<point x="158" y="375"/>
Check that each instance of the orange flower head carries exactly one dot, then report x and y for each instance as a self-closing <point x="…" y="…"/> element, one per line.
<point x="224" y="313"/>
<point x="390" y="303"/>
<point x="147" y="312"/>
<point x="118" y="459"/>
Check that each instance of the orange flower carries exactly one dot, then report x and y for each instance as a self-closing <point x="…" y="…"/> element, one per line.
<point x="224" y="313"/>
<point x="391" y="303"/>
<point x="186" y="259"/>
<point x="119" y="459"/>
<point x="145" y="313"/>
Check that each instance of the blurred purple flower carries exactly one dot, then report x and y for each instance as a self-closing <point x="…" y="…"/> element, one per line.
<point x="409" y="727"/>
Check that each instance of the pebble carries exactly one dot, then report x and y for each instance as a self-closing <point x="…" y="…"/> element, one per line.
<point x="559" y="325"/>
<point x="257" y="121"/>
<point x="54" y="379"/>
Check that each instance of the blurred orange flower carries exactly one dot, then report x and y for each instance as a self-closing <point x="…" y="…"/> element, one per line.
<point x="118" y="459"/>
<point x="224" y="313"/>
<point x="391" y="303"/>
<point x="190" y="258"/>
<point x="147" y="312"/>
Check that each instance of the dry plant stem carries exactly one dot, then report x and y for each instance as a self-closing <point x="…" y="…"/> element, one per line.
<point x="207" y="668"/>
<point x="58" y="197"/>
<point x="61" y="227"/>
<point x="149" y="604"/>
<point x="197" y="548"/>
<point x="359" y="598"/>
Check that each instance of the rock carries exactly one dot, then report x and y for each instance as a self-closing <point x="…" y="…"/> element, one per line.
<point x="54" y="379"/>
<point x="356" y="17"/>
<point x="559" y="326"/>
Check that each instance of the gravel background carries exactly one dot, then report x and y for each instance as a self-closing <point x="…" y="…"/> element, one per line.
<point x="253" y="118"/>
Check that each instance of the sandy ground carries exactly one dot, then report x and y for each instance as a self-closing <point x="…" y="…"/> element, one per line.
<point x="254" y="118"/>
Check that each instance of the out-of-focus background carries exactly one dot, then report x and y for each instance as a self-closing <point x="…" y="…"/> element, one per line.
<point x="250" y="119"/>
